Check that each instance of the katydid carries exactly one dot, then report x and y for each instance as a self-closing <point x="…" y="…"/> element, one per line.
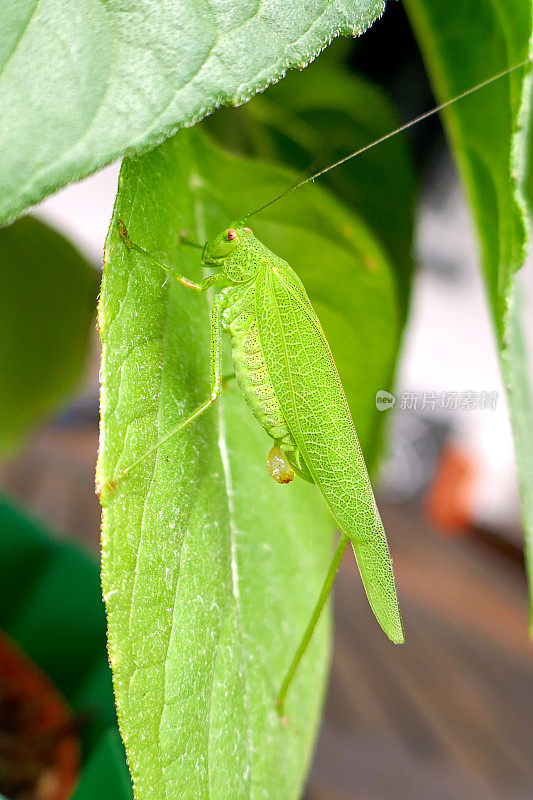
<point x="286" y="372"/>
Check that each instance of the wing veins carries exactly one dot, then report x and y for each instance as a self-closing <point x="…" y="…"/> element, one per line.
<point x="300" y="439"/>
<point x="310" y="312"/>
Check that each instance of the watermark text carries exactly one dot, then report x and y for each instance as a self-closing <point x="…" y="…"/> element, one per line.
<point x="434" y="401"/>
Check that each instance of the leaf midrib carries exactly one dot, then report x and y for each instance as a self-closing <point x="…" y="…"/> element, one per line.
<point x="228" y="481"/>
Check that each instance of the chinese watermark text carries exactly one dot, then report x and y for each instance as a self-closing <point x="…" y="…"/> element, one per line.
<point x="433" y="401"/>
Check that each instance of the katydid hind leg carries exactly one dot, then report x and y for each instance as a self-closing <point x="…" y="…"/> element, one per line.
<point x="216" y="389"/>
<point x="299" y="465"/>
<point x="311" y="625"/>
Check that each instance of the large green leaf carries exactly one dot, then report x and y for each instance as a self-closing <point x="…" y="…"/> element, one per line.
<point x="464" y="42"/>
<point x="210" y="569"/>
<point x="83" y="82"/>
<point x="48" y="304"/>
<point x="311" y="120"/>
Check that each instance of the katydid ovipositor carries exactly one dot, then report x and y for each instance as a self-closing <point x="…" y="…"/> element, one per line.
<point x="286" y="373"/>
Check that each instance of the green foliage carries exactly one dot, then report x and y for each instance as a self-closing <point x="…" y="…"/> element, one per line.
<point x="49" y="294"/>
<point x="81" y="83"/>
<point x="489" y="138"/>
<point x="210" y="569"/>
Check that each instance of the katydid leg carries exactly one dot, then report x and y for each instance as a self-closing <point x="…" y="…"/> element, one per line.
<point x="196" y="287"/>
<point x="315" y="616"/>
<point x="216" y="388"/>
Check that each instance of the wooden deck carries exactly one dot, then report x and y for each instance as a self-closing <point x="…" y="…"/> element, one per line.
<point x="448" y="715"/>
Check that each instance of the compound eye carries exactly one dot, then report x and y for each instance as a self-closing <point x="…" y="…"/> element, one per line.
<point x="231" y="234"/>
<point x="248" y="229"/>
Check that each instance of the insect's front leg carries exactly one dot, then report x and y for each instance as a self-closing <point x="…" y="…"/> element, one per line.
<point x="187" y="282"/>
<point x="216" y="389"/>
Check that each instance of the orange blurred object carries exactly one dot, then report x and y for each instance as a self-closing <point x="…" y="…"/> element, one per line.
<point x="449" y="499"/>
<point x="37" y="728"/>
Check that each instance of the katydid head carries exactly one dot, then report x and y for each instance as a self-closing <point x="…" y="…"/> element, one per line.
<point x="234" y="251"/>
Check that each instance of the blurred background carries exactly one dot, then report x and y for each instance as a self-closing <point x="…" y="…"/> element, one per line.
<point x="449" y="715"/>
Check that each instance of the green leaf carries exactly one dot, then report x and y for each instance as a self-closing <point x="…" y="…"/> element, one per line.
<point x="312" y="119"/>
<point x="81" y="83"/>
<point x="49" y="298"/>
<point x="463" y="44"/>
<point x="210" y="569"/>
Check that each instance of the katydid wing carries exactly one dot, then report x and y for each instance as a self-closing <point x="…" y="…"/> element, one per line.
<point x="308" y="387"/>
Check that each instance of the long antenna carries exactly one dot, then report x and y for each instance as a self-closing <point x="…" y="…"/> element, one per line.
<point x="384" y="138"/>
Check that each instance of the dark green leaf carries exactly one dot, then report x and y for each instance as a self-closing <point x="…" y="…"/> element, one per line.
<point x="488" y="136"/>
<point x="52" y="609"/>
<point x="210" y="569"/>
<point x="49" y="299"/>
<point x="83" y="82"/>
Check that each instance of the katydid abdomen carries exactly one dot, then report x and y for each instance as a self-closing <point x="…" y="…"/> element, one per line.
<point x="251" y="372"/>
<point x="240" y="320"/>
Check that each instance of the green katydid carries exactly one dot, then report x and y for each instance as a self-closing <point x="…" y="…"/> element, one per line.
<point x="286" y="373"/>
